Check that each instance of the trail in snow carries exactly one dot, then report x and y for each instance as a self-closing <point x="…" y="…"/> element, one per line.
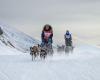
<point x="83" y="64"/>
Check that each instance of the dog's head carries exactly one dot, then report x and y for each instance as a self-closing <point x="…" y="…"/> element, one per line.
<point x="31" y="48"/>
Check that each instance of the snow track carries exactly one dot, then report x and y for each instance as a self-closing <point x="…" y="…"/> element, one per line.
<point x="83" y="64"/>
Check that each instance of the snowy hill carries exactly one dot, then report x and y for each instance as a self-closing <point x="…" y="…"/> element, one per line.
<point x="83" y="64"/>
<point x="16" y="39"/>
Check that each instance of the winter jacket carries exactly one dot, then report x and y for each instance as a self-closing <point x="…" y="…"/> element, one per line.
<point x="47" y="36"/>
<point x="68" y="36"/>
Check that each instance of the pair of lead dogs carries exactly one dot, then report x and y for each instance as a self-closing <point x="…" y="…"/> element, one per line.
<point x="41" y="51"/>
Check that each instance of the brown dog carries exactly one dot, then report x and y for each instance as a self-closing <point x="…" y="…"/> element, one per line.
<point x="34" y="51"/>
<point x="38" y="51"/>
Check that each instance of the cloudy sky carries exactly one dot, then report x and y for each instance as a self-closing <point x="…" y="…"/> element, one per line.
<point x="81" y="17"/>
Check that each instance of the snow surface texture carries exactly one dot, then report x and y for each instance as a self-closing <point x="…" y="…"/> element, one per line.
<point x="83" y="64"/>
<point x="16" y="39"/>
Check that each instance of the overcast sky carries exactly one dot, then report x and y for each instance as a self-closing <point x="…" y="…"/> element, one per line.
<point x="81" y="17"/>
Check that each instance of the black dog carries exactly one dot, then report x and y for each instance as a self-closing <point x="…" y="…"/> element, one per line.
<point x="43" y="53"/>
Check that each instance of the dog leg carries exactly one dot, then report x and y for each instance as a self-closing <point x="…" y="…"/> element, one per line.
<point x="32" y="57"/>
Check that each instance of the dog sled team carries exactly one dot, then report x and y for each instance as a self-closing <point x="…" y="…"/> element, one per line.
<point x="68" y="47"/>
<point x="46" y="48"/>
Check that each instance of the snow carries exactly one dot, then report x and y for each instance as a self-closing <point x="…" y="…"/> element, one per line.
<point x="17" y="39"/>
<point x="83" y="64"/>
